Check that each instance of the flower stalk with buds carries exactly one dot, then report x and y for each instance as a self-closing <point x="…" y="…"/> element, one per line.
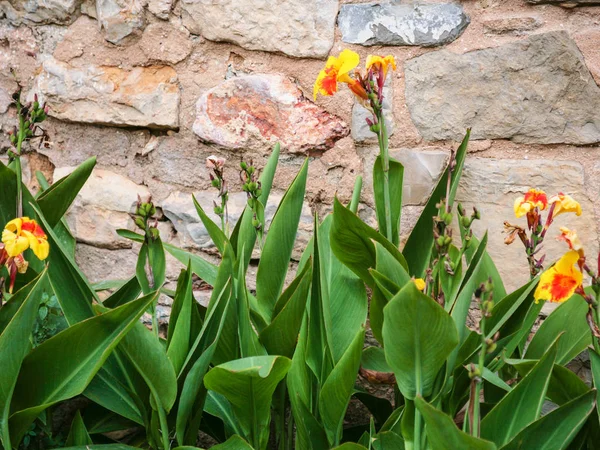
<point x="368" y="89"/>
<point x="251" y="186"/>
<point x="217" y="180"/>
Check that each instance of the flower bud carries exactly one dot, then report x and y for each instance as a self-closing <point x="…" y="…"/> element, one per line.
<point x="243" y="165"/>
<point x="460" y="209"/>
<point x="215" y="182"/>
<point x="447" y="240"/>
<point x="440" y="241"/>
<point x="255" y="223"/>
<point x="465" y="221"/>
<point x="140" y="222"/>
<point x="448" y="219"/>
<point x="154" y="233"/>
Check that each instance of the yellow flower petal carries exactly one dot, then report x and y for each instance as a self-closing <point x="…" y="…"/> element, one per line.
<point x="14" y="244"/>
<point x="559" y="283"/>
<point x="420" y="283"/>
<point x="564" y="203"/>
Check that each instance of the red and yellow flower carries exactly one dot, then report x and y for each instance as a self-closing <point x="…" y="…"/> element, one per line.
<point x="383" y="63"/>
<point x="534" y="198"/>
<point x="572" y="240"/>
<point x="560" y="282"/>
<point x="23" y="233"/>
<point x="564" y="203"/>
<point x="336" y="71"/>
<point x="19" y="235"/>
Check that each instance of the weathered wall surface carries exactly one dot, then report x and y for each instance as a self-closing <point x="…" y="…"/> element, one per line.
<point x="153" y="87"/>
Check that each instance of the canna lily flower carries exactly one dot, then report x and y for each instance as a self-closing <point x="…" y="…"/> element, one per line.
<point x="23" y="233"/>
<point x="337" y="70"/>
<point x="534" y="198"/>
<point x="381" y="63"/>
<point x="564" y="203"/>
<point x="558" y="283"/>
<point x="572" y="240"/>
<point x="420" y="283"/>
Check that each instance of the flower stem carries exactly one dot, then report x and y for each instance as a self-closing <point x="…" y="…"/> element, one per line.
<point x="18" y="169"/>
<point x="382" y="137"/>
<point x="164" y="427"/>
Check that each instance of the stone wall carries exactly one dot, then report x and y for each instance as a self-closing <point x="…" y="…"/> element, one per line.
<point x="153" y="87"/>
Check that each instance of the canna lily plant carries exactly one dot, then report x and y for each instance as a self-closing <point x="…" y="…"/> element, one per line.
<point x="276" y="366"/>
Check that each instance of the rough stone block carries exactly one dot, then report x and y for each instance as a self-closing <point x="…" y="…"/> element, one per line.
<point x="401" y="24"/>
<point x="40" y="12"/>
<point x="256" y="111"/>
<point x="536" y="91"/>
<point x="302" y="28"/>
<point x="141" y="97"/>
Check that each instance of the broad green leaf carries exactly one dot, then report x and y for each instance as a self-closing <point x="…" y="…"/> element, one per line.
<point x="15" y="331"/>
<point x="277" y="251"/>
<point x="555" y="430"/>
<point x="216" y="234"/>
<point x="71" y="287"/>
<point x="504" y="310"/>
<point x="180" y="322"/>
<point x="380" y="408"/>
<point x="55" y="201"/>
<point x="336" y="391"/>
<point x="218" y="406"/>
<point x="249" y="384"/>
<point x="352" y="243"/>
<point x="569" y="319"/>
<point x="419" y="246"/>
<point x="350" y="446"/>
<point x="387" y="440"/>
<point x="248" y="342"/>
<point x="389" y="269"/>
<point x="442" y="432"/>
<point x="419" y="336"/>
<point x="521" y="406"/>
<point x="233" y="443"/>
<point x="395" y="177"/>
<point x="49" y="374"/>
<point x="78" y="435"/>
<point x="193" y="392"/>
<point x="149" y="358"/>
<point x="373" y="358"/>
<point x="102" y="447"/>
<point x="564" y="385"/>
<point x="127" y="292"/>
<point x="281" y="335"/>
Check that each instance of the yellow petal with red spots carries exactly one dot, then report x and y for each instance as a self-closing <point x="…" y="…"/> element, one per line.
<point x="336" y="70"/>
<point x="559" y="283"/>
<point x="381" y="62"/>
<point x="23" y="233"/>
<point x="533" y="198"/>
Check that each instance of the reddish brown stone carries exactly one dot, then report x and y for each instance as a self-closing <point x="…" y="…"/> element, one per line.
<point x="256" y="111"/>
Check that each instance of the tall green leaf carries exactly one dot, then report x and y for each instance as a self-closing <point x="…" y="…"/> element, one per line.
<point x="55" y="201"/>
<point x="395" y="176"/>
<point x="522" y="405"/>
<point x="568" y="320"/>
<point x="78" y="435"/>
<point x="49" y="374"/>
<point x="442" y="433"/>
<point x="419" y="246"/>
<point x="249" y="384"/>
<point x="336" y="391"/>
<point x="352" y="243"/>
<point x="180" y="322"/>
<point x="14" y="343"/>
<point x="556" y="430"/>
<point x="275" y="256"/>
<point x="419" y="335"/>
<point x="216" y="234"/>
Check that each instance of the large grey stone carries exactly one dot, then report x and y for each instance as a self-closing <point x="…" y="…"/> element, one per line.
<point x="142" y="97"/>
<point x="537" y="90"/>
<point x="120" y="18"/>
<point x="180" y="210"/>
<point x="360" y="128"/>
<point x="256" y="111"/>
<point x="160" y="8"/>
<point x="401" y="24"/>
<point x="40" y="12"/>
<point x="103" y="206"/>
<point x="492" y="186"/>
<point x="302" y="28"/>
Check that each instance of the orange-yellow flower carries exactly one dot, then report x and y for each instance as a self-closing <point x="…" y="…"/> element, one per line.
<point x="23" y="233"/>
<point x="534" y="198"/>
<point x="558" y="283"/>
<point x="564" y="203"/>
<point x="572" y="240"/>
<point x="381" y="62"/>
<point x="336" y="70"/>
<point x="420" y="283"/>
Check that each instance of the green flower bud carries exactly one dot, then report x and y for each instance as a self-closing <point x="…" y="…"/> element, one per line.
<point x="243" y="165"/>
<point x="215" y="183"/>
<point x="440" y="241"/>
<point x="465" y="221"/>
<point x="448" y="219"/>
<point x="154" y="233"/>
<point x="140" y="223"/>
<point x="251" y="202"/>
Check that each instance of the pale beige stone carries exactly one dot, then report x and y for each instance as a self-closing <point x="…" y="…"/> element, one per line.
<point x="143" y="96"/>
<point x="492" y="186"/>
<point x="103" y="205"/>
<point x="162" y="42"/>
<point x="302" y="28"/>
<point x="120" y="18"/>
